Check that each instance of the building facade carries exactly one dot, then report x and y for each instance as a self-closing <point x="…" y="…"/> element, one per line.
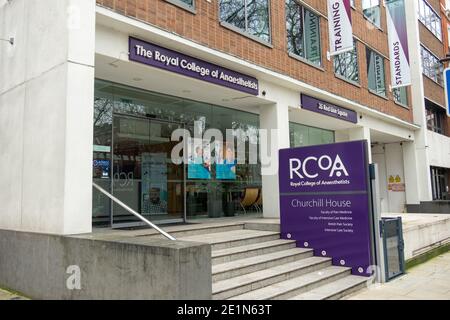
<point x="80" y="104"/>
<point x="434" y="42"/>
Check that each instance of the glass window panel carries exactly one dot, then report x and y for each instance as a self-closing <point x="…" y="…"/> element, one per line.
<point x="302" y="135"/>
<point x="327" y="137"/>
<point x="250" y="16"/>
<point x="233" y="12"/>
<point x="188" y="2"/>
<point x="212" y="198"/>
<point x="315" y="136"/>
<point x="430" y="19"/>
<point x="372" y="11"/>
<point x="303" y="32"/>
<point x="376" y="72"/>
<point x="432" y="67"/>
<point x="401" y="95"/>
<point x="346" y="65"/>
<point x="312" y="37"/>
<point x="294" y="28"/>
<point x="258" y="19"/>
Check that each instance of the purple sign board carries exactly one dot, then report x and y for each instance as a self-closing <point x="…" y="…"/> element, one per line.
<point x="328" y="109"/>
<point x="156" y="56"/>
<point x="325" y="202"/>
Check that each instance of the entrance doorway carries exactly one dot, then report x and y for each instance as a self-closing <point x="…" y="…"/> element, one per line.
<point x="132" y="130"/>
<point x="143" y="175"/>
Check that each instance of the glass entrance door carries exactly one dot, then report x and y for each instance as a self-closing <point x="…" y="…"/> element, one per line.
<point x="144" y="176"/>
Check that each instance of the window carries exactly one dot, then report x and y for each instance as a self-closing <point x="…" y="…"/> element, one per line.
<point x="440" y="183"/>
<point x="249" y="16"/>
<point x="372" y="11"/>
<point x="376" y="72"/>
<point x="130" y="123"/>
<point x="303" y="32"/>
<point x="185" y="4"/>
<point x="401" y="95"/>
<point x="432" y="67"/>
<point x="302" y="136"/>
<point x="346" y="65"/>
<point x="435" y="117"/>
<point x="430" y="19"/>
<point x="448" y="33"/>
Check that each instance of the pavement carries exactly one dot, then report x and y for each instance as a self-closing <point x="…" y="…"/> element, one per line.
<point x="427" y="281"/>
<point x="5" y="295"/>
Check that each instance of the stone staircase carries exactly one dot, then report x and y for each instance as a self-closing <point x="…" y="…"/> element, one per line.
<point x="251" y="262"/>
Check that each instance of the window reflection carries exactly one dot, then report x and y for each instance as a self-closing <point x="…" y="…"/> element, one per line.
<point x="372" y="11"/>
<point x="303" y="32"/>
<point x="346" y="64"/>
<point x="302" y="136"/>
<point x="114" y="104"/>
<point x="250" y="16"/>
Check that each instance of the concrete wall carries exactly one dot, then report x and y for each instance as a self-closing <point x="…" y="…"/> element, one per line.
<point x="379" y="157"/>
<point x="46" y="110"/>
<point x="439" y="150"/>
<point x="417" y="168"/>
<point x="37" y="264"/>
<point x="394" y="168"/>
<point x="389" y="158"/>
<point x="423" y="233"/>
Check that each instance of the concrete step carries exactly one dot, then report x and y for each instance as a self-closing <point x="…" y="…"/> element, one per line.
<point x="235" y="238"/>
<point x="334" y="290"/>
<point x="239" y="285"/>
<point x="198" y="229"/>
<point x="263" y="225"/>
<point x="295" y="286"/>
<point x="251" y="250"/>
<point x="240" y="267"/>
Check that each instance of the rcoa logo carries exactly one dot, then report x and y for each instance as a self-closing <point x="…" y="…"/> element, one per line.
<point x="325" y="163"/>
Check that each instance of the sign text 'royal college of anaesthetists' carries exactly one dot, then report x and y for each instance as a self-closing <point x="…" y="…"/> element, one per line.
<point x="325" y="202"/>
<point x="156" y="56"/>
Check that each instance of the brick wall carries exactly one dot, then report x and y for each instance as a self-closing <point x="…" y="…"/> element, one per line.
<point x="204" y="28"/>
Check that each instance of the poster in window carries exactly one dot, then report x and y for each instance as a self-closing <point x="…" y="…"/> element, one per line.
<point x="101" y="169"/>
<point x="312" y="37"/>
<point x="225" y="161"/>
<point x="154" y="184"/>
<point x="199" y="159"/>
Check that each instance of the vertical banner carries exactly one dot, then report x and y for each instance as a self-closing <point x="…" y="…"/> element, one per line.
<point x="325" y="202"/>
<point x="447" y="89"/>
<point x="398" y="43"/>
<point x="340" y="26"/>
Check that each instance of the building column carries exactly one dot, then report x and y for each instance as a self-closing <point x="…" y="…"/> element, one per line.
<point x="355" y="134"/>
<point x="47" y="106"/>
<point x="411" y="166"/>
<point x="417" y="167"/>
<point x="275" y="119"/>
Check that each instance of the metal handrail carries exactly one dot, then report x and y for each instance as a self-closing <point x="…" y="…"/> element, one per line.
<point x="123" y="205"/>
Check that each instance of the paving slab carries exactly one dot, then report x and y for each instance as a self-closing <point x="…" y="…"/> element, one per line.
<point x="428" y="281"/>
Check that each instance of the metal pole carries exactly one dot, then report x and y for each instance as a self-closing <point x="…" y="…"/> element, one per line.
<point x="123" y="205"/>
